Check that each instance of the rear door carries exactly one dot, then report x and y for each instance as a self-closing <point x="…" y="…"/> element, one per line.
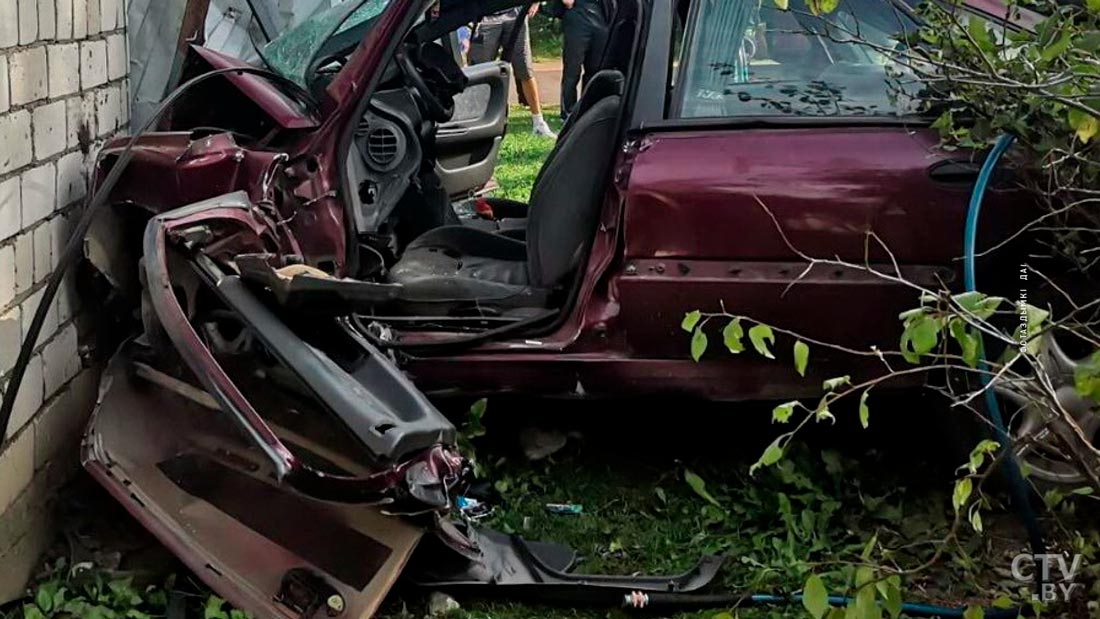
<point x="775" y="133"/>
<point x="468" y="145"/>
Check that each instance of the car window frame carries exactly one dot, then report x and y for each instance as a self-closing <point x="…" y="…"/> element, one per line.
<point x="655" y="112"/>
<point x="676" y="105"/>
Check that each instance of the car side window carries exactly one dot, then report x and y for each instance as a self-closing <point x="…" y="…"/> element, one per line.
<point x="748" y="58"/>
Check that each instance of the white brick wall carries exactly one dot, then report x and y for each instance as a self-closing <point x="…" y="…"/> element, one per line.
<point x="28" y="21"/>
<point x="49" y="129"/>
<point x="64" y="62"/>
<point x="5" y="90"/>
<point x="93" y="64"/>
<point x="15" y="135"/>
<point x="39" y="187"/>
<point x="47" y="19"/>
<point x="28" y="75"/>
<point x="63" y="90"/>
<point x="9" y="24"/>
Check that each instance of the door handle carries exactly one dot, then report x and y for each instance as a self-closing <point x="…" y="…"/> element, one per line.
<point x="955" y="171"/>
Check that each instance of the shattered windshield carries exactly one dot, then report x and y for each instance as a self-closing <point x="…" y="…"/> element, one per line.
<point x="293" y="52"/>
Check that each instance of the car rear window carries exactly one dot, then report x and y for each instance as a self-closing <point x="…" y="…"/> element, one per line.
<point x="749" y="58"/>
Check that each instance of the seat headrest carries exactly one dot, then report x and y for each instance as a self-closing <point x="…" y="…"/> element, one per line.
<point x="604" y="84"/>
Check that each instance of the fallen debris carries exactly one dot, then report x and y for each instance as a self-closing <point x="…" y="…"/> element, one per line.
<point x="441" y="605"/>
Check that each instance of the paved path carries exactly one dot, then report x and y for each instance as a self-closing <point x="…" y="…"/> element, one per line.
<point x="548" y="75"/>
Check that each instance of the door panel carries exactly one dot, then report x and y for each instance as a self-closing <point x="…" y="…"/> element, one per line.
<point x="826" y="187"/>
<point x="468" y="146"/>
<point x="707" y="212"/>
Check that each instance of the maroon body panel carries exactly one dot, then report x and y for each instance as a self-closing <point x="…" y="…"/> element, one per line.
<point x="707" y="212"/>
<point x="169" y="170"/>
<point x="695" y="195"/>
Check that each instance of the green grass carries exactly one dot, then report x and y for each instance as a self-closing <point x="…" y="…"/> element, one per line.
<point x="816" y="512"/>
<point x="546" y="38"/>
<point x="522" y="153"/>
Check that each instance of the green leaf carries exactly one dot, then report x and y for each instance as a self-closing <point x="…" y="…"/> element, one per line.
<point x="815" y="597"/>
<point x="731" y="336"/>
<point x="974" y="612"/>
<point x="968" y="340"/>
<point x="213" y="608"/>
<point x="690" y="320"/>
<point x="1083" y="491"/>
<point x="890" y="591"/>
<point x="1035" y="317"/>
<point x="473" y="427"/>
<point x="1004" y="602"/>
<point x="980" y="451"/>
<point x="924" y="331"/>
<point x="30" y="611"/>
<point x="44" y="600"/>
<point x="761" y="336"/>
<point x="1059" y="47"/>
<point x="700" y="487"/>
<point x="961" y="495"/>
<point x="722" y="615"/>
<point x="833" y="384"/>
<point x="801" y="357"/>
<point x="944" y="122"/>
<point x="976" y="518"/>
<point x="978" y="303"/>
<point x="869" y="548"/>
<point x="772" y="454"/>
<point x="1093" y="5"/>
<point x="477" y="409"/>
<point x="698" y="344"/>
<point x="1085" y="125"/>
<point x="820" y="7"/>
<point x="864" y="410"/>
<point x="783" y="412"/>
<point x="980" y="33"/>
<point x="1086" y="377"/>
<point x="866" y="606"/>
<point x="824" y="414"/>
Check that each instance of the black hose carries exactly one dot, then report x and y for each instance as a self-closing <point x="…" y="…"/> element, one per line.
<point x="73" y="247"/>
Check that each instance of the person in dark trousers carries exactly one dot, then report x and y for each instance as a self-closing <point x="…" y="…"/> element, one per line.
<point x="584" y="25"/>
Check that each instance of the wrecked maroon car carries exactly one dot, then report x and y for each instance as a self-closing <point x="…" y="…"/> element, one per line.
<point x="289" y="239"/>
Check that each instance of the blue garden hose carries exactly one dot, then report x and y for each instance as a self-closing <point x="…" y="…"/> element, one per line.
<point x="1021" y="494"/>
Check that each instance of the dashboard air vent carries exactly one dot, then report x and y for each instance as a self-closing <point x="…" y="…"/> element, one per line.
<point x="383" y="145"/>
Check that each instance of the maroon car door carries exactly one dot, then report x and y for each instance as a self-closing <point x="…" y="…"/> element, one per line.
<point x="776" y="135"/>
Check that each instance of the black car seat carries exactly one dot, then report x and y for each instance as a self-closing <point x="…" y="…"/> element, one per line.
<point x="510" y="216"/>
<point x="456" y="267"/>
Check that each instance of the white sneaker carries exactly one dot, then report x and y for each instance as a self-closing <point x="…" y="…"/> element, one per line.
<point x="543" y="130"/>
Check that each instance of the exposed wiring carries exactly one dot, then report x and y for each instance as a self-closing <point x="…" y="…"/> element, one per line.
<point x="74" y="246"/>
